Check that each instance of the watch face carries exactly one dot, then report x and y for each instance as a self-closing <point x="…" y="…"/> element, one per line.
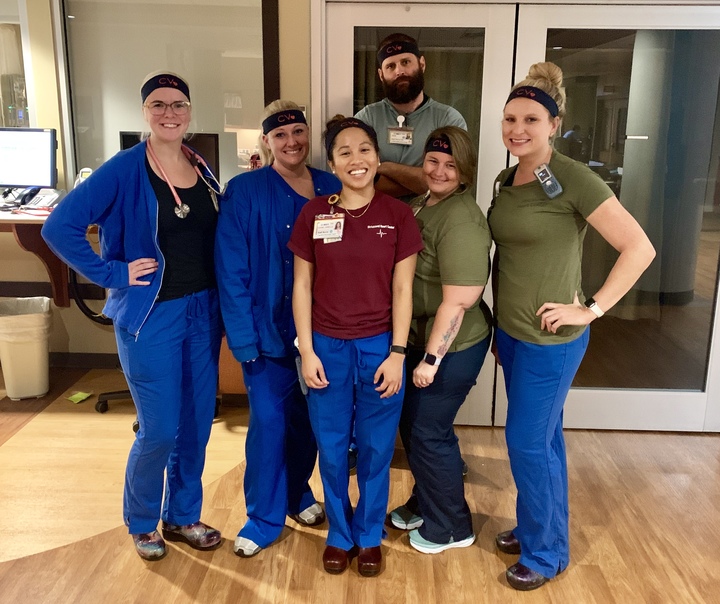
<point x="430" y="359"/>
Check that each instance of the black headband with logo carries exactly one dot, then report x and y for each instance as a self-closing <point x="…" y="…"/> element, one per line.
<point x="283" y="118"/>
<point x="441" y="144"/>
<point x="537" y="95"/>
<point x="164" y="80"/>
<point x="344" y="124"/>
<point x="396" y="48"/>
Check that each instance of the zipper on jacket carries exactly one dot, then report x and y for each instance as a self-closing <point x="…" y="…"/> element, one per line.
<point x="162" y="274"/>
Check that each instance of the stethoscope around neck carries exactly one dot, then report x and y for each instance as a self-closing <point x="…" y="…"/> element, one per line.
<point x="196" y="161"/>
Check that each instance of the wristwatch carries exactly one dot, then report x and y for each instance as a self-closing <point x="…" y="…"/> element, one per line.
<point x="399" y="349"/>
<point x="431" y="359"/>
<point x="593" y="306"/>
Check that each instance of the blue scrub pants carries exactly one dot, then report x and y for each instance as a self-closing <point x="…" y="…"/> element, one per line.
<point x="349" y="367"/>
<point x="428" y="435"/>
<point x="171" y="369"/>
<point x="280" y="448"/>
<point x="537" y="380"/>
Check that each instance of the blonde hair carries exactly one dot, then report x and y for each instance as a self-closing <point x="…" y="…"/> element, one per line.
<point x="548" y="77"/>
<point x="266" y="155"/>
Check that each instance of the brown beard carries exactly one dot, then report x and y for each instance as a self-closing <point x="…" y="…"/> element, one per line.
<point x="405" y="88"/>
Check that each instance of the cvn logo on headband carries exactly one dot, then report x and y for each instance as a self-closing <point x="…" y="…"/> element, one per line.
<point x="439" y="143"/>
<point x="393" y="48"/>
<point x="286" y="117"/>
<point x="525" y="92"/>
<point x="164" y="81"/>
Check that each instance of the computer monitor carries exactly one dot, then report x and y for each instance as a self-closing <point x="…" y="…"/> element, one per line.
<point x="27" y="157"/>
<point x="206" y="144"/>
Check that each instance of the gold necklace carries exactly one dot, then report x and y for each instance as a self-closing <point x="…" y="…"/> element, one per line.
<point x="336" y="199"/>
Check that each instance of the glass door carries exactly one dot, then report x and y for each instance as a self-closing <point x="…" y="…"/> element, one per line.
<point x="643" y="89"/>
<point x="468" y="51"/>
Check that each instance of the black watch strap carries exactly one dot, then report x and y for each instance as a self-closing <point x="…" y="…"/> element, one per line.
<point x="399" y="349"/>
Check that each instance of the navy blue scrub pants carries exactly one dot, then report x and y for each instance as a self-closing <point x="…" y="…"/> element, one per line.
<point x="426" y="429"/>
<point x="349" y="367"/>
<point x="171" y="369"/>
<point x="538" y="379"/>
<point x="280" y="448"/>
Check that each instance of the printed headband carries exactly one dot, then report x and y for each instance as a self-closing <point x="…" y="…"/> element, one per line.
<point x="396" y="48"/>
<point x="441" y="144"/>
<point x="164" y="80"/>
<point x="535" y="94"/>
<point x="348" y="122"/>
<point x="283" y="118"/>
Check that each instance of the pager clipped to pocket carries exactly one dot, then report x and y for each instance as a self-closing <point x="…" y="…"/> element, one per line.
<point x="547" y="179"/>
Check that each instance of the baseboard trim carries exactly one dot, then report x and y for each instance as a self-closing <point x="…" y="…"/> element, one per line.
<point x="86" y="360"/>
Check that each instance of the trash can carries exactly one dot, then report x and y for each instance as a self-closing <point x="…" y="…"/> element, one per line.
<point x="24" y="335"/>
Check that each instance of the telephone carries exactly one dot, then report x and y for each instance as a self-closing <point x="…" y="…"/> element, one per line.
<point x="82" y="176"/>
<point x="35" y="197"/>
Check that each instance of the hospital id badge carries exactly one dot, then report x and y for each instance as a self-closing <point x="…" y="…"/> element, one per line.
<point x="400" y="136"/>
<point x="329" y="227"/>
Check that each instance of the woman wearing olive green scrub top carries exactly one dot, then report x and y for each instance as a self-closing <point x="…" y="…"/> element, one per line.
<point x="541" y="311"/>
<point x="449" y="339"/>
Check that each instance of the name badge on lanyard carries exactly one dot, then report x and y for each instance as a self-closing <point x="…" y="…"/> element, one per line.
<point x="329" y="227"/>
<point x="400" y="135"/>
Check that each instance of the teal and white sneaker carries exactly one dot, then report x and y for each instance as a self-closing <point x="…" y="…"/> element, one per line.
<point x="428" y="547"/>
<point x="404" y="519"/>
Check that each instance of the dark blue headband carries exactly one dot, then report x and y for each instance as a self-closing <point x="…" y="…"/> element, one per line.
<point x="441" y="144"/>
<point x="396" y="48"/>
<point x="344" y="124"/>
<point x="164" y="80"/>
<point x="537" y="95"/>
<point x="283" y="118"/>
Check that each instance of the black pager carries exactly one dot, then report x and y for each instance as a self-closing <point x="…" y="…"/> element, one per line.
<point x="548" y="181"/>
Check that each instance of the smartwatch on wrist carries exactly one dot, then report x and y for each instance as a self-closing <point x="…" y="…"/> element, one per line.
<point x="431" y="359"/>
<point x="593" y="306"/>
<point x="399" y="349"/>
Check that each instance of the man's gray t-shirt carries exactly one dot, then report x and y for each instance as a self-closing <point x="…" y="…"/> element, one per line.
<point x="426" y="118"/>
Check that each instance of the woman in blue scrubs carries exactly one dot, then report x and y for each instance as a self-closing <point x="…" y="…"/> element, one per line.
<point x="156" y="208"/>
<point x="255" y="279"/>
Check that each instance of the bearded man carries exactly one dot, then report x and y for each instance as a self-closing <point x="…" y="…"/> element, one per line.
<point x="405" y="117"/>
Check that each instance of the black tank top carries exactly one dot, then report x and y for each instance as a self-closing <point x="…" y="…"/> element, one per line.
<point x="187" y="244"/>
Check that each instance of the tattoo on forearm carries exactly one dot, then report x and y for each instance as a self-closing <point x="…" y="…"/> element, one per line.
<point x="449" y="335"/>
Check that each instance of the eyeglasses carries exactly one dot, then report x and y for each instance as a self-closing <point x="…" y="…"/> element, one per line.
<point x="158" y="107"/>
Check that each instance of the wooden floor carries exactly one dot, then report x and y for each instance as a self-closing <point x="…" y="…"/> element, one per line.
<point x="645" y="520"/>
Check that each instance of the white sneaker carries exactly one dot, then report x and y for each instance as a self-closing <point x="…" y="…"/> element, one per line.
<point x="428" y="547"/>
<point x="310" y="516"/>
<point x="245" y="548"/>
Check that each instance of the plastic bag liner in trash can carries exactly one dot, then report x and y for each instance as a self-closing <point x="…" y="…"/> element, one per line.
<point x="24" y="334"/>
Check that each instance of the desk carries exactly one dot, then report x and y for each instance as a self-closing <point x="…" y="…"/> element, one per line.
<point x="27" y="233"/>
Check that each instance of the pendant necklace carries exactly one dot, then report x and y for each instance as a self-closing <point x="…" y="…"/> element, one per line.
<point x="337" y="200"/>
<point x="181" y="209"/>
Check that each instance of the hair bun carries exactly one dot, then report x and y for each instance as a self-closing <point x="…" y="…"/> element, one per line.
<point x="334" y="120"/>
<point x="546" y="71"/>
